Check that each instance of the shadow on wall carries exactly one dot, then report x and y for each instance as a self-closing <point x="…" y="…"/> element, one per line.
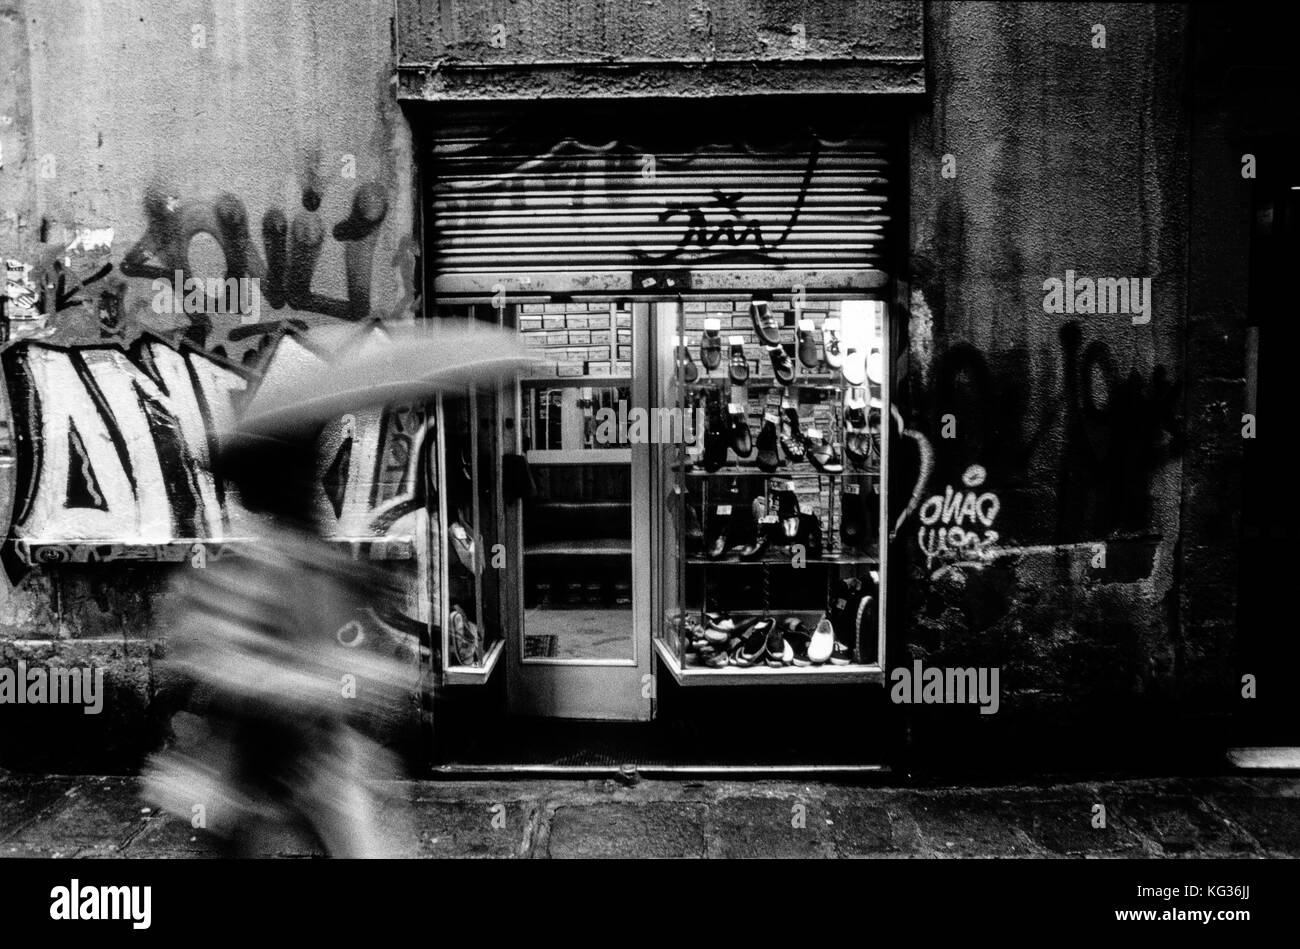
<point x="1033" y="549"/>
<point x="1097" y="445"/>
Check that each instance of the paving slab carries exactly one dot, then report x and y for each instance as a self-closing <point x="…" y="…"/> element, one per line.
<point x="783" y="827"/>
<point x="965" y="826"/>
<point x="1273" y="822"/>
<point x="472" y="829"/>
<point x="95" y="816"/>
<point x="1181" y="826"/>
<point x="669" y="830"/>
<point x="1066" y="827"/>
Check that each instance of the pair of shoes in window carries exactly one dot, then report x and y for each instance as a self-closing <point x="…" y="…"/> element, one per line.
<point x="791" y="643"/>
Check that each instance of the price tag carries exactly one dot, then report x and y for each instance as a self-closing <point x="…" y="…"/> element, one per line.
<point x="768" y="519"/>
<point x="724" y="508"/>
<point x="770" y="417"/>
<point x="840" y="604"/>
<point x="852" y="489"/>
<point x="812" y="432"/>
<point x="735" y="409"/>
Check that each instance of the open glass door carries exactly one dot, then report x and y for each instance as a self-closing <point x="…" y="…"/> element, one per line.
<point x="582" y="648"/>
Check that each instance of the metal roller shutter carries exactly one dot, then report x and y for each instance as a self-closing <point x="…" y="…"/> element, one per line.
<point x="611" y="207"/>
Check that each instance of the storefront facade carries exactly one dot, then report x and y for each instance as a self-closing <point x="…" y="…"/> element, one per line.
<point x="924" y="318"/>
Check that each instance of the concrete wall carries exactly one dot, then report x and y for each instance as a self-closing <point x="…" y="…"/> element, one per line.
<point x="1068" y="156"/>
<point x="249" y="129"/>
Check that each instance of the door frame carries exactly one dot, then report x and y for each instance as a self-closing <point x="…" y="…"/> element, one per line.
<point x="590" y="689"/>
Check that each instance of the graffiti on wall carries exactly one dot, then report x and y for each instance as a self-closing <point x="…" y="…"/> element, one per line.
<point x="674" y="204"/>
<point x="959" y="521"/>
<point x="111" y="404"/>
<point x="111" y="452"/>
<point x="74" y="275"/>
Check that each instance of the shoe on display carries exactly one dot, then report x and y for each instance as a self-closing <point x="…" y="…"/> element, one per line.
<point x="738" y="429"/>
<point x="822" y="643"/>
<point x="762" y="531"/>
<point x="857" y="318"/>
<point x="758" y="548"/>
<point x="718" y="628"/>
<point x="845" y="607"/>
<point x="876" y="366"/>
<point x="858" y="448"/>
<point x="711" y="344"/>
<point x="782" y="364"/>
<point x="718" y="660"/>
<point x="768" y="459"/>
<point x="855" y="366"/>
<point x="694" y="532"/>
<point x="753" y="644"/>
<point x="864" y="623"/>
<point x="848" y="631"/>
<point x="725" y="538"/>
<point x="797" y="638"/>
<point x="823" y="455"/>
<point x="855" y="524"/>
<point x="810" y="535"/>
<point x="791" y="435"/>
<point x="832" y="342"/>
<point x="766" y="323"/>
<point x="787" y="509"/>
<point x="464" y="638"/>
<point x="463" y="546"/>
<point x="739" y="366"/>
<point x="774" y="652"/>
<point x="722" y="521"/>
<point x="685" y="364"/>
<point x="808" y="345"/>
<point x="715" y="441"/>
<point x="855" y="415"/>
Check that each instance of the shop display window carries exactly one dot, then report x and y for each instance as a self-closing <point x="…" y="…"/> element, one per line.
<point x="770" y="560"/>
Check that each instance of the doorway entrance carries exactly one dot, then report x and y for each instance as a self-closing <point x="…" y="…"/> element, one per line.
<point x="581" y="543"/>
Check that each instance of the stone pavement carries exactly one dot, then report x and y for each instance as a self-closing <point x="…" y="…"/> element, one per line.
<point x="67" y="816"/>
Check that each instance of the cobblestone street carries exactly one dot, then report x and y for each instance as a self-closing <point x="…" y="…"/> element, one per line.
<point x="1200" y="817"/>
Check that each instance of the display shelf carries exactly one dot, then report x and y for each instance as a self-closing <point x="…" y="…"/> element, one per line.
<point x="580" y="456"/>
<point x="834" y="560"/>
<point x="596" y="547"/>
<point x="561" y="382"/>
<point x="692" y="472"/>
<point x="824" y="383"/>
<point x="689" y="675"/>
<point x="475" y="675"/>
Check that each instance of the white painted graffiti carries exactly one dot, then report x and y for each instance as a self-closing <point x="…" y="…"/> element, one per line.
<point x="959" y="521"/>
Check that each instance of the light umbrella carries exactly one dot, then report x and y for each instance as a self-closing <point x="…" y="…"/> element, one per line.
<point x="326" y="372"/>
